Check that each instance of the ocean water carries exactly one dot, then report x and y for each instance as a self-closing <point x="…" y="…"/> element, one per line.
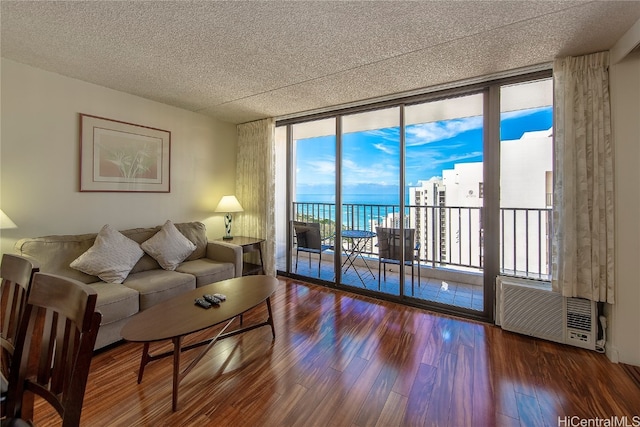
<point x="358" y="209"/>
<point x="356" y="199"/>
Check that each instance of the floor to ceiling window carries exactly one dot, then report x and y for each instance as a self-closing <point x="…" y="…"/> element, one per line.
<point x="312" y="186"/>
<point x="392" y="200"/>
<point x="526" y="178"/>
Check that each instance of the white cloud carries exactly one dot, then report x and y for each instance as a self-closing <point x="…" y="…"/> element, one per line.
<point x="385" y="149"/>
<point x="323" y="167"/>
<point x="316" y="172"/>
<point x="426" y="133"/>
<point x="457" y="157"/>
<point x="354" y="173"/>
<point x="387" y="134"/>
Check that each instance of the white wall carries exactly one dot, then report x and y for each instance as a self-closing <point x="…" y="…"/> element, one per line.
<point x="39" y="164"/>
<point x="523" y="166"/>
<point x="624" y="329"/>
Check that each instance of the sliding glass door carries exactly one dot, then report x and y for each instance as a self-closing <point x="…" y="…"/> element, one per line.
<point x="371" y="195"/>
<point x="444" y="171"/>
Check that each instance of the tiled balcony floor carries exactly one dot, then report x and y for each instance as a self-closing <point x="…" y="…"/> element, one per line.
<point x="455" y="293"/>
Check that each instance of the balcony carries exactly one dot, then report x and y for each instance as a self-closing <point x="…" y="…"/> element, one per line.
<point x="451" y="248"/>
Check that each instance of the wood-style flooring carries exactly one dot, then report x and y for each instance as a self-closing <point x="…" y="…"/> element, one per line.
<point x="345" y="360"/>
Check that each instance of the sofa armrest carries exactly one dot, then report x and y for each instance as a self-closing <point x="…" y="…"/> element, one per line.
<point x="226" y="252"/>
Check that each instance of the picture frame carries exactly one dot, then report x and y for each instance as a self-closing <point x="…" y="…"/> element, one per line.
<point x="117" y="156"/>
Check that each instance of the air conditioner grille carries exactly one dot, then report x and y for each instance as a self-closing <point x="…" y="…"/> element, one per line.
<point x="533" y="312"/>
<point x="579" y="314"/>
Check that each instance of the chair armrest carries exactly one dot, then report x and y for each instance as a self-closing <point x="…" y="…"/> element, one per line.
<point x="226" y="252"/>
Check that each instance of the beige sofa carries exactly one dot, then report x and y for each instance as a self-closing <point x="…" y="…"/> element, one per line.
<point x="147" y="283"/>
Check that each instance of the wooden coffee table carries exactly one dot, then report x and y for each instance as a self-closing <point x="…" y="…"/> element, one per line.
<point x="179" y="316"/>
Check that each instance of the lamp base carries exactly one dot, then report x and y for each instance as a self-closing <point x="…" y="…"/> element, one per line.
<point x="227" y="227"/>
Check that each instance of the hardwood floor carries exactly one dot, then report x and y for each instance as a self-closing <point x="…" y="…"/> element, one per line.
<point x="345" y="360"/>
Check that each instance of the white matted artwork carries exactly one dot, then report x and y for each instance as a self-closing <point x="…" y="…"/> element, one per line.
<point x="119" y="156"/>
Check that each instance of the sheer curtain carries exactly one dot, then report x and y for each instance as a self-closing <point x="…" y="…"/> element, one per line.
<point x="583" y="190"/>
<point x="255" y="186"/>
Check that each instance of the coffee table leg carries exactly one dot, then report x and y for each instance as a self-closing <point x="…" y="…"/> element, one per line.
<point x="143" y="361"/>
<point x="176" y="371"/>
<point x="270" y="319"/>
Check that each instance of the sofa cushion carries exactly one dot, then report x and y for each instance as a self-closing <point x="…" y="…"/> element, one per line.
<point x="155" y="286"/>
<point x="207" y="270"/>
<point x="168" y="246"/>
<point x="111" y="257"/>
<point x="115" y="302"/>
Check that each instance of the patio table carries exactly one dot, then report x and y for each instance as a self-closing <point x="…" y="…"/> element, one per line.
<point x="359" y="239"/>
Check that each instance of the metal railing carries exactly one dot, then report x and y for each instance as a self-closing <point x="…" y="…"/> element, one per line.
<point x="449" y="236"/>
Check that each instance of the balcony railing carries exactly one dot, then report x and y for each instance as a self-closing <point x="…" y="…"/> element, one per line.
<point x="449" y="236"/>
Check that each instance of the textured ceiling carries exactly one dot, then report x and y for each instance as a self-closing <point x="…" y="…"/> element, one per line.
<point x="242" y="61"/>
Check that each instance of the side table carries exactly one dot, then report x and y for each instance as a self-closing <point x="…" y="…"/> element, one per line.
<point x="248" y="244"/>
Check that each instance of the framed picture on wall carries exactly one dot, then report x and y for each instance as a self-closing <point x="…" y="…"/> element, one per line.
<point x="123" y="157"/>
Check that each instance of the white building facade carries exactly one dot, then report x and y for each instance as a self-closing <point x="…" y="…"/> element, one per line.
<point x="446" y="211"/>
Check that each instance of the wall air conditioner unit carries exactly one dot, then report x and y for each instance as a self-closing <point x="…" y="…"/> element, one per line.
<point x="530" y="307"/>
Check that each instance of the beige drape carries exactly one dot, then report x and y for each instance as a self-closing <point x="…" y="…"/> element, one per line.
<point x="583" y="262"/>
<point x="255" y="186"/>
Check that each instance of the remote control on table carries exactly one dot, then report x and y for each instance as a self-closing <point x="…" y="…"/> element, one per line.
<point x="221" y="297"/>
<point x="203" y="303"/>
<point x="212" y="299"/>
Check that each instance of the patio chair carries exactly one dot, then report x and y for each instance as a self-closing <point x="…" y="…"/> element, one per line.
<point x="309" y="239"/>
<point x="390" y="251"/>
<point x="53" y="349"/>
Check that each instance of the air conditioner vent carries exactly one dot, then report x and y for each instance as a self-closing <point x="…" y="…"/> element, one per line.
<point x="579" y="314"/>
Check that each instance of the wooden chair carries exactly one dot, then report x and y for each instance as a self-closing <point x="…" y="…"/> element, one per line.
<point x="16" y="273"/>
<point x="53" y="349"/>
<point x="390" y="250"/>
<point x="309" y="239"/>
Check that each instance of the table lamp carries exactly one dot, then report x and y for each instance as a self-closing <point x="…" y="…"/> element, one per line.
<point x="5" y="221"/>
<point x="228" y="204"/>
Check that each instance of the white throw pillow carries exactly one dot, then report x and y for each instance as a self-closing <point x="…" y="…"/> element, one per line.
<point x="169" y="246"/>
<point x="111" y="257"/>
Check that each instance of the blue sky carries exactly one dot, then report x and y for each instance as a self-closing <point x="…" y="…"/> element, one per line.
<point x="371" y="159"/>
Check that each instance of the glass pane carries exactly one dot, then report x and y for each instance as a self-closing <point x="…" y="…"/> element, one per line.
<point x="526" y="177"/>
<point x="370" y="195"/>
<point x="313" y="225"/>
<point x="444" y="172"/>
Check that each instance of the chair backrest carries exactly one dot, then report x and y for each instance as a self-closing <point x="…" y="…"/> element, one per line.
<point x="16" y="273"/>
<point x="390" y="246"/>
<point x="308" y="235"/>
<point x="54" y="348"/>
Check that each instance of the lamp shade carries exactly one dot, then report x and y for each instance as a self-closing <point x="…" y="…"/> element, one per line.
<point x="229" y="204"/>
<point x="5" y="221"/>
